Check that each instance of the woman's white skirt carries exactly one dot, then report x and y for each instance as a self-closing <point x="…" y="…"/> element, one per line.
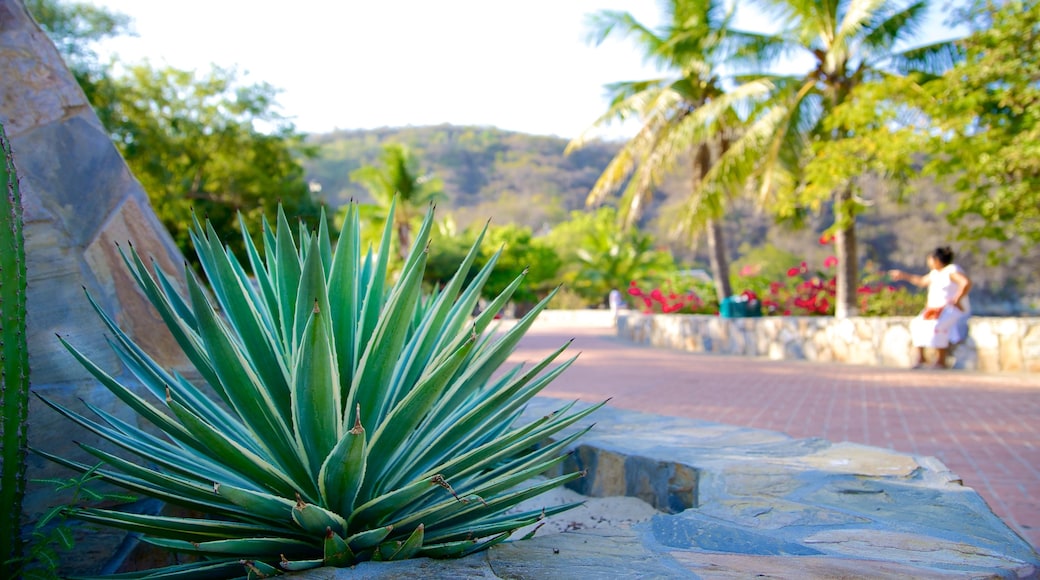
<point x="950" y="328"/>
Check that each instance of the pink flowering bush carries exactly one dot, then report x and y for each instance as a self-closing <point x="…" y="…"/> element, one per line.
<point x="671" y="298"/>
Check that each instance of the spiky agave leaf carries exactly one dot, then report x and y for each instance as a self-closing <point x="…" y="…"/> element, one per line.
<point x="346" y="419"/>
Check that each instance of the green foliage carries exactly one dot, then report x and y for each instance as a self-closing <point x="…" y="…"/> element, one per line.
<point x="519" y="253"/>
<point x="398" y="179"/>
<point x="14" y="361"/>
<point x="598" y="254"/>
<point x="988" y="108"/>
<point x="346" y="419"/>
<point x="52" y="534"/>
<point x="799" y="156"/>
<point x="687" y="118"/>
<point x="197" y="142"/>
<point x="75" y="26"/>
<point x="767" y="262"/>
<point x="204" y="144"/>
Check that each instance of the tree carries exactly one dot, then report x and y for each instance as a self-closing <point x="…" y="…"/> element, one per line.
<point x="75" y="26"/>
<point x="988" y="108"/>
<point x="686" y="118"/>
<point x="399" y="177"/>
<point x="848" y="44"/>
<point x="197" y="142"/>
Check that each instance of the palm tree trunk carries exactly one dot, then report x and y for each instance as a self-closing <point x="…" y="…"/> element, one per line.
<point x="717" y="259"/>
<point x="716" y="237"/>
<point x="848" y="266"/>
<point x="404" y="239"/>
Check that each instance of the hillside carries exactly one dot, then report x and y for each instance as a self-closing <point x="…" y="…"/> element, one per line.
<point x="525" y="179"/>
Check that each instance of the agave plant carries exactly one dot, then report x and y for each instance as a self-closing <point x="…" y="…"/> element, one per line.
<point x="342" y="418"/>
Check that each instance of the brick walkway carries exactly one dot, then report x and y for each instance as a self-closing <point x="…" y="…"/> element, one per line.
<point x="984" y="427"/>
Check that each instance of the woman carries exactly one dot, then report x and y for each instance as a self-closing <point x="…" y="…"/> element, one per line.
<point x="947" y="306"/>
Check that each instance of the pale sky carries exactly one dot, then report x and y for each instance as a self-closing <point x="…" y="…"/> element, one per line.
<point x="521" y="66"/>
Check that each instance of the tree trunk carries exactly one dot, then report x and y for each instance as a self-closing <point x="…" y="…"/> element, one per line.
<point x="404" y="239"/>
<point x="718" y="260"/>
<point x="702" y="162"/>
<point x="848" y="266"/>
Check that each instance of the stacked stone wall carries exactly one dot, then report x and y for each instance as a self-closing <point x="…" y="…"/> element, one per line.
<point x="993" y="344"/>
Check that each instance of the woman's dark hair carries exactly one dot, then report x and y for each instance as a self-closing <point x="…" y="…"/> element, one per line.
<point x="944" y="255"/>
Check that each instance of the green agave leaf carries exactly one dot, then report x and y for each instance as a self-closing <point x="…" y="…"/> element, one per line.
<point x="447" y="549"/>
<point x="165" y="455"/>
<point x="237" y="300"/>
<point x="465" y="432"/>
<point x="286" y="272"/>
<point x="261" y="276"/>
<point x="517" y="441"/>
<point x="186" y="336"/>
<point x="344" y="280"/>
<point x="509" y="477"/>
<point x="174" y="492"/>
<point x="298" y="565"/>
<point x="188" y="529"/>
<point x="183" y="460"/>
<point x="368" y="538"/>
<point x="406" y="416"/>
<point x="258" y="469"/>
<point x="374" y="511"/>
<point x="337" y="552"/>
<point x="471" y="514"/>
<point x="140" y="406"/>
<point x="316" y="392"/>
<point x="340" y="477"/>
<point x="176" y="387"/>
<point x="373" y="280"/>
<point x="313" y="292"/>
<point x="247" y="547"/>
<point x="506" y="523"/>
<point x="371" y="387"/>
<point x="481" y="369"/>
<point x="257" y="570"/>
<point x="246" y="391"/>
<point x="219" y="569"/>
<point x="317" y="520"/>
<point x="391" y="551"/>
<point x="262" y="505"/>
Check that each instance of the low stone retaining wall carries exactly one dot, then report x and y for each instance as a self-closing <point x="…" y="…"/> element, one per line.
<point x="743" y="503"/>
<point x="993" y="344"/>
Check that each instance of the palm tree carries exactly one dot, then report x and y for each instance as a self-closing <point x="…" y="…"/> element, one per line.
<point x="687" y="117"/>
<point x="849" y="43"/>
<point x="399" y="177"/>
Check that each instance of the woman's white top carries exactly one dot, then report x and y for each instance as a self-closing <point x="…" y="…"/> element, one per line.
<point x="942" y="289"/>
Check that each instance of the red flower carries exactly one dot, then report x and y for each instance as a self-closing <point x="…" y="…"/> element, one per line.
<point x="830" y="262"/>
<point x="793" y="272"/>
<point x="826" y="239"/>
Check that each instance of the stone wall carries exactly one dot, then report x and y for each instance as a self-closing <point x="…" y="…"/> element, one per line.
<point x="80" y="201"/>
<point x="993" y="344"/>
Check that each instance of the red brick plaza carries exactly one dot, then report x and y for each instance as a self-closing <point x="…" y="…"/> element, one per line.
<point x="984" y="427"/>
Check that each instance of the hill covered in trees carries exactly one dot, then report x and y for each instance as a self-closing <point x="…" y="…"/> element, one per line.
<point x="525" y="179"/>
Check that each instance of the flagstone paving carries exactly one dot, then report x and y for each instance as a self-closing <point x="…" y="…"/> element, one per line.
<point x="984" y="427"/>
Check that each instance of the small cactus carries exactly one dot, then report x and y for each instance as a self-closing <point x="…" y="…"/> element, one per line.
<point x="14" y="362"/>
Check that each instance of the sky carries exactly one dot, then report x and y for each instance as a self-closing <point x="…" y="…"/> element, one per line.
<point x="361" y="64"/>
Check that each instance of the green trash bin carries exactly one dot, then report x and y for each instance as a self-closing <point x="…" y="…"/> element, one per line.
<point x="740" y="306"/>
